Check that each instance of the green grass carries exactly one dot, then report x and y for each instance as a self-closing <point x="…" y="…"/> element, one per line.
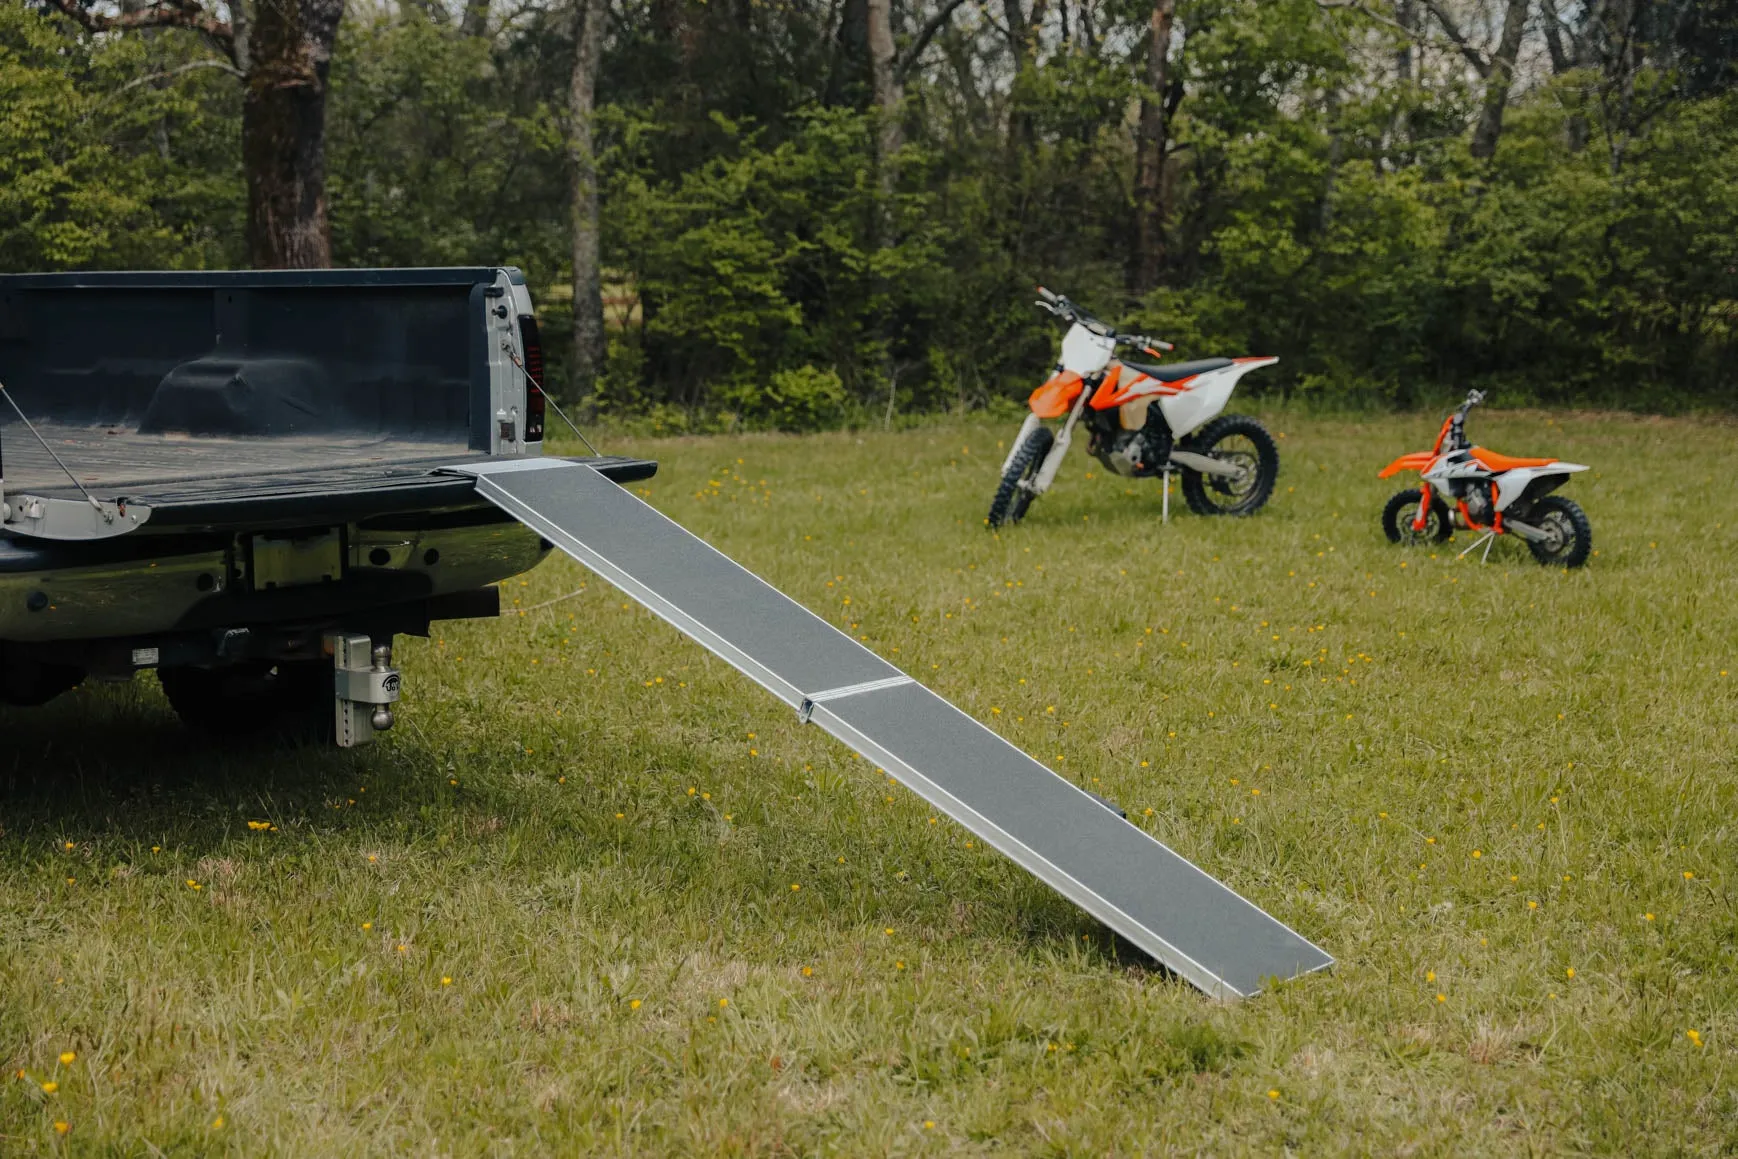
<point x="1464" y="781"/>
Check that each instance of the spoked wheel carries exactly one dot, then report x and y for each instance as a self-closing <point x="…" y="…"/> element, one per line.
<point x="1402" y="510"/>
<point x="1011" y="501"/>
<point x="255" y="698"/>
<point x="1237" y="441"/>
<point x="1568" y="535"/>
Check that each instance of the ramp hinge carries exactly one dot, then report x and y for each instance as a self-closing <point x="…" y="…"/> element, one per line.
<point x="808" y="706"/>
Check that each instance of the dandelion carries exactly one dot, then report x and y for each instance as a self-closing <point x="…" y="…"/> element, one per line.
<point x="191" y="884"/>
<point x="61" y="1126"/>
<point x="899" y="965"/>
<point x="633" y="1004"/>
<point x="1647" y="917"/>
<point x="808" y="971"/>
<point x="1442" y="997"/>
<point x="67" y="1057"/>
<point x="928" y="1124"/>
<point x="217" y="1123"/>
<point x="71" y="846"/>
<point x="1273" y="1094"/>
<point x="1689" y="876"/>
<point x="723" y="1002"/>
<point x="1695" y="1037"/>
<point x="795" y="887"/>
<point x="888" y="931"/>
<point x="1477" y="854"/>
<point x="49" y="1087"/>
<point x="1571" y="971"/>
<point x="1430" y="975"/>
<point x="1532" y="905"/>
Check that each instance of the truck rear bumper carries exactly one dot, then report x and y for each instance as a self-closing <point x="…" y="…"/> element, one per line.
<point x="403" y="539"/>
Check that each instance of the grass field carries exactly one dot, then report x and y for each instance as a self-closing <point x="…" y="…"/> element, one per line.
<point x="598" y="893"/>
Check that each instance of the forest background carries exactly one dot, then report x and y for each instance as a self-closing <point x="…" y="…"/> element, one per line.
<point x="806" y="213"/>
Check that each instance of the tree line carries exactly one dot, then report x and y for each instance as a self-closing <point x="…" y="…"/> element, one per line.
<point x="795" y="213"/>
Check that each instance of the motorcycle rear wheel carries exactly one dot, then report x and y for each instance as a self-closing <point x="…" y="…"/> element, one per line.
<point x="1235" y="439"/>
<point x="1011" y="499"/>
<point x="1569" y="533"/>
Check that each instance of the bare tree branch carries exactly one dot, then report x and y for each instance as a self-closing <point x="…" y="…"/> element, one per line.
<point x="162" y="14"/>
<point x="1473" y="56"/>
<point x="169" y="74"/>
<point x="933" y="25"/>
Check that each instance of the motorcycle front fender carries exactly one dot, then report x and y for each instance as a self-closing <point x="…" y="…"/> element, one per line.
<point x="1052" y="400"/>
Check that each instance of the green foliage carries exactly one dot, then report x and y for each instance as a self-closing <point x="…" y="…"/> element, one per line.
<point x="86" y="175"/>
<point x="755" y="242"/>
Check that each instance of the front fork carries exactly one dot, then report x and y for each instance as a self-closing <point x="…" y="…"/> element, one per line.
<point x="1053" y="461"/>
<point x="1420" y="520"/>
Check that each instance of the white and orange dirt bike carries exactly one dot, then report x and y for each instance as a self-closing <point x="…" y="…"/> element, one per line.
<point x="1227" y="463"/>
<point x="1490" y="493"/>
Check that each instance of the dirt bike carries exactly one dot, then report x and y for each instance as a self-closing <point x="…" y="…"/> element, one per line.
<point x="1492" y="493"/>
<point x="1228" y="463"/>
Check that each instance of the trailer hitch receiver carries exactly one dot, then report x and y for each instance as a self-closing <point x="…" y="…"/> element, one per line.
<point x="364" y="685"/>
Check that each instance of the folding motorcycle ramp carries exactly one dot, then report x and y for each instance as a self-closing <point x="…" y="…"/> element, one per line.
<point x="1067" y="838"/>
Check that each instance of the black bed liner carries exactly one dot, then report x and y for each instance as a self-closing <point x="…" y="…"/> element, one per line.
<point x="274" y="494"/>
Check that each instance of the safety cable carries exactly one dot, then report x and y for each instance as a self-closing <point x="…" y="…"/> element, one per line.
<point x="514" y="356"/>
<point x="23" y="418"/>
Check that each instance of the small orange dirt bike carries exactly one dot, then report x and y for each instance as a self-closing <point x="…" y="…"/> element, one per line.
<point x="1492" y="493"/>
<point x="1228" y="463"/>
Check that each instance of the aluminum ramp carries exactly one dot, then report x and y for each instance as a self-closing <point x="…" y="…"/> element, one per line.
<point x="1068" y="839"/>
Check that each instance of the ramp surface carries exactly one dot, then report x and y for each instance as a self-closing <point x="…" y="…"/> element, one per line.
<point x="1113" y="870"/>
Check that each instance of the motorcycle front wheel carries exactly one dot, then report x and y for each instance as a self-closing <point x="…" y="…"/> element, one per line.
<point x="1241" y="441"/>
<point x="1402" y="509"/>
<point x="1011" y="500"/>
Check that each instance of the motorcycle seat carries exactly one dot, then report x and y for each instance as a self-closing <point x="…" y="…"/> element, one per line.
<point x="1174" y="371"/>
<point x="1498" y="462"/>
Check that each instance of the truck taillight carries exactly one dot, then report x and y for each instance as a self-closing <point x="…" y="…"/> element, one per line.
<point x="534" y="403"/>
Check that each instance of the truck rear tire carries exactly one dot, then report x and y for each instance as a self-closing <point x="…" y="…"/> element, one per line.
<point x="255" y="698"/>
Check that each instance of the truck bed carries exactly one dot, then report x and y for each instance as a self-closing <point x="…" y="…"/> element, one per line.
<point x="211" y="483"/>
<point x="115" y="462"/>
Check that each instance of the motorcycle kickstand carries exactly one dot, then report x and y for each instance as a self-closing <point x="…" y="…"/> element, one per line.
<point x="1165" y="504"/>
<point x="1485" y="539"/>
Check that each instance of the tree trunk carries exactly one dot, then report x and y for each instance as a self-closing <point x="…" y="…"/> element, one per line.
<point x="885" y="88"/>
<point x="850" y="55"/>
<point x="476" y="19"/>
<point x="588" y="334"/>
<point x="283" y="132"/>
<point x="1150" y="153"/>
<point x="1497" y="81"/>
<point x="1406" y="16"/>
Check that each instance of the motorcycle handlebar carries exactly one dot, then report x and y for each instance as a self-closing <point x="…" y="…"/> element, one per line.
<point x="1063" y="308"/>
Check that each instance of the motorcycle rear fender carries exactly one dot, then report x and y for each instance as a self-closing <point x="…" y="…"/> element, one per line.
<point x="1206" y="395"/>
<point x="1512" y="485"/>
<point x="1416" y="461"/>
<point x="1053" y="399"/>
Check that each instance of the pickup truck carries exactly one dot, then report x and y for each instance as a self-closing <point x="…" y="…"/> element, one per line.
<point x="242" y="480"/>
